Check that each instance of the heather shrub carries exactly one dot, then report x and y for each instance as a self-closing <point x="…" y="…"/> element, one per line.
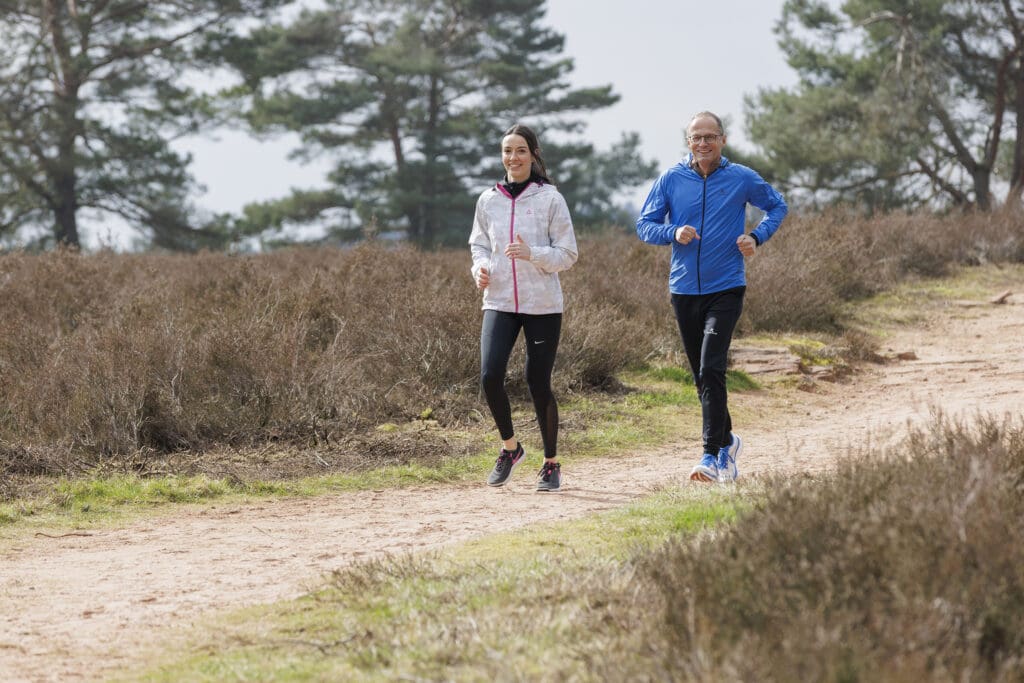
<point x="617" y="310"/>
<point x="112" y="353"/>
<point x="816" y="262"/>
<point x="109" y="354"/>
<point x="898" y="566"/>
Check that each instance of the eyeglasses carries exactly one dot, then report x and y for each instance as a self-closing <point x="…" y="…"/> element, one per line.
<point x="698" y="139"/>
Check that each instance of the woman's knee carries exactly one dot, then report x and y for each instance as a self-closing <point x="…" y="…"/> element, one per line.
<point x="491" y="381"/>
<point x="540" y="387"/>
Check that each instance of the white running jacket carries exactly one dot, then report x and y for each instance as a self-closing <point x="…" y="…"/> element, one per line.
<point x="540" y="215"/>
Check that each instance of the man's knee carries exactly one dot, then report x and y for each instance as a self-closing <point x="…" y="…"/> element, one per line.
<point x="712" y="375"/>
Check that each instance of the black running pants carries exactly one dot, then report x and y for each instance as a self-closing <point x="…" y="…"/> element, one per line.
<point x="706" y="323"/>
<point x="497" y="338"/>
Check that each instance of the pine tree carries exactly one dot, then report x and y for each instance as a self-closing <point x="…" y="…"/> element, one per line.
<point x="410" y="97"/>
<point x="90" y="95"/>
<point x="900" y="104"/>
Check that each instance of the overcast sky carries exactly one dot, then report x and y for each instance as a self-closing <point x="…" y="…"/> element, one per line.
<point x="667" y="59"/>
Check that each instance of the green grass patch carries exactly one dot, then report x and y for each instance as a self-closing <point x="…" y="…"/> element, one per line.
<point x="672" y="374"/>
<point x="737" y="380"/>
<point x="524" y="604"/>
<point x="830" y="577"/>
<point x="594" y="425"/>
<point x="673" y="386"/>
<point x="916" y="300"/>
<point x="126" y="490"/>
<point x="105" y="499"/>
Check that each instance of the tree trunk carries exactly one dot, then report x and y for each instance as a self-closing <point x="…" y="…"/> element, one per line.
<point x="64" y="178"/>
<point x="63" y="174"/>
<point x="65" y="213"/>
<point x="395" y="134"/>
<point x="983" y="188"/>
<point x="1017" y="171"/>
<point x="430" y="152"/>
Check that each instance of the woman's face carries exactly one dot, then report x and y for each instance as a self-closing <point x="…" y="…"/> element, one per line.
<point x="516" y="157"/>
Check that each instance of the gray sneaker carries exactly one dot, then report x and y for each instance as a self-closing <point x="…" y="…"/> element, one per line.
<point x="550" y="477"/>
<point x="504" y="465"/>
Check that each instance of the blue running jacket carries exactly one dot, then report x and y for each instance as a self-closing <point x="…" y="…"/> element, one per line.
<point x="716" y="206"/>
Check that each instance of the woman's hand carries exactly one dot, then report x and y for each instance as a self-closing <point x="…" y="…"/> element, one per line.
<point x="483" y="278"/>
<point x="518" y="249"/>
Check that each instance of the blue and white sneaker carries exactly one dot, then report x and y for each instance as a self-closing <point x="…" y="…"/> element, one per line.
<point x="727" y="456"/>
<point x="706" y="469"/>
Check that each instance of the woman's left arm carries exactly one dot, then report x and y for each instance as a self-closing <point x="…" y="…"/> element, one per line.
<point x="561" y="252"/>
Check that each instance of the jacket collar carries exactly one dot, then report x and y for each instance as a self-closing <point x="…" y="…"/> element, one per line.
<point x="531" y="190"/>
<point x="692" y="165"/>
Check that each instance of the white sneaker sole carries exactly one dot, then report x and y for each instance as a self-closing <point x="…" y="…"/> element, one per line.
<point x="703" y="474"/>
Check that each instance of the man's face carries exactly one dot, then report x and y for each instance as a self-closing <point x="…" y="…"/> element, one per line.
<point x="705" y="140"/>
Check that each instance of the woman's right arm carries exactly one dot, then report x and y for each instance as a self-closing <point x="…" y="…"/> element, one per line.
<point x="480" y="241"/>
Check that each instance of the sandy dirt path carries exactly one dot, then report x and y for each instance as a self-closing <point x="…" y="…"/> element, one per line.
<point x="75" y="608"/>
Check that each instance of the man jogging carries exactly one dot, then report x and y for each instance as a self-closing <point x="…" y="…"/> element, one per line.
<point x="699" y="207"/>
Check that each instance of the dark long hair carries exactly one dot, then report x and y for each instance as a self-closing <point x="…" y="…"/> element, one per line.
<point x="537" y="166"/>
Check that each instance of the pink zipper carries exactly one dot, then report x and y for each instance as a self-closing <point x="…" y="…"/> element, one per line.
<point x="511" y="236"/>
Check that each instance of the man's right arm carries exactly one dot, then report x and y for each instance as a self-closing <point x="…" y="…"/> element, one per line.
<point x="651" y="226"/>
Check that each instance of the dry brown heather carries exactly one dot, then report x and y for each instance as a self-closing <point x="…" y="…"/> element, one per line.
<point x="908" y="569"/>
<point x="112" y="354"/>
<point x="105" y="355"/>
<point x="814" y="263"/>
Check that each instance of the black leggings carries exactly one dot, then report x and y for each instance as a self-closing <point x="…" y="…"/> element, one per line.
<point x="706" y="323"/>
<point x="497" y="337"/>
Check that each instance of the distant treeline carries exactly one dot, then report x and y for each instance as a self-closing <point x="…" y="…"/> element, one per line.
<point x="893" y="110"/>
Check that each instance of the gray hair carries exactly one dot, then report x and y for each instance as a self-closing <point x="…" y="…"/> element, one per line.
<point x="710" y="115"/>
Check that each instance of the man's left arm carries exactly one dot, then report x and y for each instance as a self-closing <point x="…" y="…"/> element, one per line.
<point x="767" y="198"/>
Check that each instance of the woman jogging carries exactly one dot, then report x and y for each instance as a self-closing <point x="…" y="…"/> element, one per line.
<point x="522" y="237"/>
